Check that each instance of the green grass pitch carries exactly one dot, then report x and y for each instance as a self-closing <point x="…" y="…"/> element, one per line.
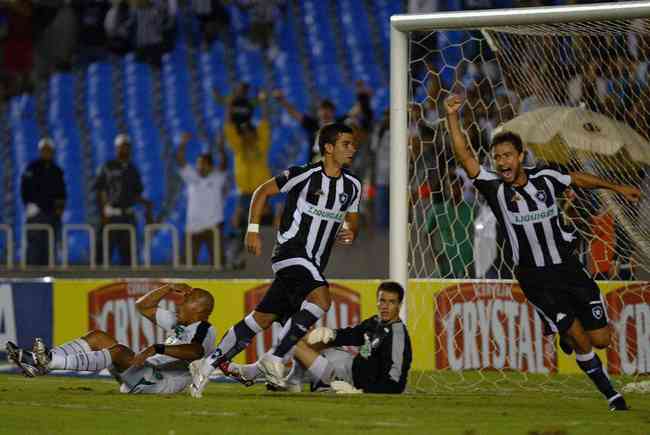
<point x="58" y="405"/>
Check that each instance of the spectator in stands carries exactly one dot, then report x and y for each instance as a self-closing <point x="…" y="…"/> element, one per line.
<point x="250" y="145"/>
<point x="380" y="146"/>
<point x="16" y="50"/>
<point x="213" y="18"/>
<point x="326" y="114"/>
<point x="453" y="218"/>
<point x="153" y="20"/>
<point x="264" y="14"/>
<point x="206" y="186"/>
<point x="93" y="44"/>
<point x="119" y="188"/>
<point x="43" y="192"/>
<point x="117" y="27"/>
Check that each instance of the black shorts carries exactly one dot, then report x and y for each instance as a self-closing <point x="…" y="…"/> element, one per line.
<point x="562" y="293"/>
<point x="288" y="291"/>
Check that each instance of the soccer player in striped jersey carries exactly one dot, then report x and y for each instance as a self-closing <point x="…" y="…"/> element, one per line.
<point x="524" y="202"/>
<point x="321" y="208"/>
<point x="158" y="369"/>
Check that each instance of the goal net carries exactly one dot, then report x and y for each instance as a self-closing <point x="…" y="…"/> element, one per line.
<point x="578" y="94"/>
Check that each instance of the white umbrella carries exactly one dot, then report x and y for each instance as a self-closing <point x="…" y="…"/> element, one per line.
<point x="555" y="132"/>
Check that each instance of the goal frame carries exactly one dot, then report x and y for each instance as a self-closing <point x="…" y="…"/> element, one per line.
<point x="400" y="25"/>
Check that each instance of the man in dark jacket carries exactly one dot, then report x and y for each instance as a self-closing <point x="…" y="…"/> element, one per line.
<point x="119" y="188"/>
<point x="43" y="192"/>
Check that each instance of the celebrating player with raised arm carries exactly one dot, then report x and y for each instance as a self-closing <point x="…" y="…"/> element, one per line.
<point x="159" y="369"/>
<point x="524" y="202"/>
<point x="321" y="208"/>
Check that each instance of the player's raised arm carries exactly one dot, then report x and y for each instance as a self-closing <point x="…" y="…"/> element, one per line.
<point x="148" y="304"/>
<point x="589" y="181"/>
<point x="253" y="240"/>
<point x="462" y="150"/>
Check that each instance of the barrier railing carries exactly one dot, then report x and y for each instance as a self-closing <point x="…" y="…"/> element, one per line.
<point x="149" y="230"/>
<point x="92" y="244"/>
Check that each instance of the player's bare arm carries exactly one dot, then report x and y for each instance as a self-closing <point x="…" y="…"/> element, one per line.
<point x="589" y="181"/>
<point x="462" y="149"/>
<point x="253" y="240"/>
<point x="349" y="231"/>
<point x="180" y="152"/>
<point x="148" y="304"/>
<point x="186" y="352"/>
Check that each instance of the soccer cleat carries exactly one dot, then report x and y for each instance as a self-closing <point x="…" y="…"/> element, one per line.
<point x="273" y="371"/>
<point x="617" y="403"/>
<point x="25" y="360"/>
<point x="565" y="345"/>
<point x="233" y="370"/>
<point x="320" y="387"/>
<point x="41" y="355"/>
<point x="199" y="380"/>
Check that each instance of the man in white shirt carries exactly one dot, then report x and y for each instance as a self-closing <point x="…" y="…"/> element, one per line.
<point x="205" y="198"/>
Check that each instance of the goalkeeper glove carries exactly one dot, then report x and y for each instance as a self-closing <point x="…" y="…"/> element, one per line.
<point x="342" y="387"/>
<point x="321" y="335"/>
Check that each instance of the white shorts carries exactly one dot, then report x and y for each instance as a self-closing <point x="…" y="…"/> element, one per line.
<point x="340" y="362"/>
<point x="147" y="380"/>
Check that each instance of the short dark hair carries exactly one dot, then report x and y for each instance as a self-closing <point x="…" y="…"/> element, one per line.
<point x="208" y="158"/>
<point x="508" y="136"/>
<point x="329" y="134"/>
<point x="327" y="104"/>
<point x="392" y="287"/>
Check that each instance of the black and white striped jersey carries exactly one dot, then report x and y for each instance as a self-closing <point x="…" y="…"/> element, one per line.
<point x="314" y="211"/>
<point x="530" y="215"/>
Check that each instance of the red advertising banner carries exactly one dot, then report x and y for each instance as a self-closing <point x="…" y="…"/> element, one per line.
<point x="345" y="311"/>
<point x="628" y="308"/>
<point x="490" y="325"/>
<point x="111" y="308"/>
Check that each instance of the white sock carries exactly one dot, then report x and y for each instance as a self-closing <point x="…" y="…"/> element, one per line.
<point x="78" y="345"/>
<point x="321" y="370"/>
<point x="250" y="371"/>
<point x="92" y="361"/>
<point x="297" y="375"/>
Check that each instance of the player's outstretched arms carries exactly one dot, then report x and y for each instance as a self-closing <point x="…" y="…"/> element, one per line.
<point x="462" y="150"/>
<point x="253" y="241"/>
<point x="589" y="181"/>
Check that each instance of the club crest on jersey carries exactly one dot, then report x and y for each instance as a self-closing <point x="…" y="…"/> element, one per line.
<point x="343" y="197"/>
<point x="541" y="196"/>
<point x="597" y="312"/>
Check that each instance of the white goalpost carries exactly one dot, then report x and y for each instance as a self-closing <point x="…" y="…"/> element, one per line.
<point x="574" y="82"/>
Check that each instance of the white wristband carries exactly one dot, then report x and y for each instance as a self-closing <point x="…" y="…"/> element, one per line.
<point x="253" y="228"/>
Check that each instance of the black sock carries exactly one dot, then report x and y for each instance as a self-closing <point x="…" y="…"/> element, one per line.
<point x="300" y="324"/>
<point x="591" y="365"/>
<point x="235" y="340"/>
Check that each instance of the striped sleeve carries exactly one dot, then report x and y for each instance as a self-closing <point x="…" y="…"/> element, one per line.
<point x="560" y="179"/>
<point x="486" y="182"/>
<point x="290" y="178"/>
<point x="354" y="206"/>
